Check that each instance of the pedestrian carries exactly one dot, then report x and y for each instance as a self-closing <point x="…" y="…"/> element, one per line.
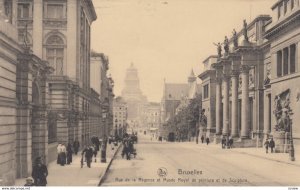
<point x="58" y="153"/>
<point x="39" y="172"/>
<point x="69" y="153"/>
<point x="88" y="154"/>
<point x="230" y="142"/>
<point x="63" y="155"/>
<point x="95" y="152"/>
<point x="267" y="145"/>
<point x="202" y="139"/>
<point x="29" y="182"/>
<point x="272" y="144"/>
<point x="223" y="141"/>
<point x="76" y="146"/>
<point x="207" y="140"/>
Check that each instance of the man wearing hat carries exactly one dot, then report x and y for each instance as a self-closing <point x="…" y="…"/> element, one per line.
<point x="39" y="173"/>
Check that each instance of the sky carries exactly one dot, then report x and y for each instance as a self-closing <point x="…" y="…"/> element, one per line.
<point x="166" y="39"/>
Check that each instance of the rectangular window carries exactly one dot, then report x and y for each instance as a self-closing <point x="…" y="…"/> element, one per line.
<point x="279" y="64"/>
<point x="292" y="58"/>
<point x="55" y="11"/>
<point x="285" y="61"/>
<point x="205" y="91"/>
<point x="292" y="4"/>
<point x="24" y="10"/>
<point x="55" y="57"/>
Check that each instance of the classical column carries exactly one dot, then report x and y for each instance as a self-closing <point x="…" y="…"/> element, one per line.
<point x="226" y="106"/>
<point x="267" y="112"/>
<point x="218" y="107"/>
<point x="245" y="101"/>
<point x="38" y="28"/>
<point x="234" y="99"/>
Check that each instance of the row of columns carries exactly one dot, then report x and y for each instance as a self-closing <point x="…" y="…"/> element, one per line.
<point x="223" y="78"/>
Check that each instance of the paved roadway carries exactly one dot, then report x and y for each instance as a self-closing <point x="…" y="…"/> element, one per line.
<point x="211" y="165"/>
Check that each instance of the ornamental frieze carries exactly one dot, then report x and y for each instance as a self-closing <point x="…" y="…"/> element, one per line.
<point x="55" y="23"/>
<point x="25" y="22"/>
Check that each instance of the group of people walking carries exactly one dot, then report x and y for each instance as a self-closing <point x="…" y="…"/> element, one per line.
<point x="128" y="147"/>
<point x="227" y="142"/>
<point x="269" y="143"/>
<point x="64" y="154"/>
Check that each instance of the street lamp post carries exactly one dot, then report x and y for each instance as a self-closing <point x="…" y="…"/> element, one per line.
<point x="104" y="143"/>
<point x="292" y="150"/>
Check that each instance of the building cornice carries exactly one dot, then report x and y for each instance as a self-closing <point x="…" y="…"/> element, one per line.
<point x="91" y="10"/>
<point x="206" y="74"/>
<point x="283" y="25"/>
<point x="209" y="57"/>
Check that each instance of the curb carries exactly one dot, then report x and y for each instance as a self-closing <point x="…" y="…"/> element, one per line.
<point x="262" y="157"/>
<point x="102" y="177"/>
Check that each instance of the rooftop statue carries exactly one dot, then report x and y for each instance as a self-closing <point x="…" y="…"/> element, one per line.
<point x="245" y="31"/>
<point x="219" y="49"/>
<point x="235" y="39"/>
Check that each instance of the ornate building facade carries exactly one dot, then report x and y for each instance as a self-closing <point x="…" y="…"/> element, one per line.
<point x="23" y="107"/>
<point x="54" y="35"/>
<point x="251" y="87"/>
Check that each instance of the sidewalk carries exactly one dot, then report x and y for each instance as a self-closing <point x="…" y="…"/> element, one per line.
<point x="74" y="175"/>
<point x="257" y="152"/>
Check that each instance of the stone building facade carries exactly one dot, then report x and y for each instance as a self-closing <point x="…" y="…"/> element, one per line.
<point x="23" y="107"/>
<point x="51" y="101"/>
<point x="153" y="116"/>
<point x="102" y="84"/>
<point x="59" y="32"/>
<point x="119" y="116"/>
<point x="253" y="90"/>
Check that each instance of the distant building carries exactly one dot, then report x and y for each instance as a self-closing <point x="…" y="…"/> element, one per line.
<point x="119" y="117"/>
<point x="134" y="98"/>
<point x="153" y="116"/>
<point x="177" y="96"/>
<point x="101" y="83"/>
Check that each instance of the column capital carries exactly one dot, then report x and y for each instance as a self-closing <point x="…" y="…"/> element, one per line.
<point x="245" y="68"/>
<point x="235" y="73"/>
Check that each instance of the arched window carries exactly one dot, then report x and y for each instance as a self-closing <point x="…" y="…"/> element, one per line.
<point x="55" y="53"/>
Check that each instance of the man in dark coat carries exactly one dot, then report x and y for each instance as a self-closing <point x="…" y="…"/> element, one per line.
<point x="272" y="145"/>
<point x="69" y="153"/>
<point x="202" y="139"/>
<point x="88" y="153"/>
<point x="207" y="140"/>
<point x="223" y="141"/>
<point x="76" y="146"/>
<point x="267" y="145"/>
<point x="39" y="173"/>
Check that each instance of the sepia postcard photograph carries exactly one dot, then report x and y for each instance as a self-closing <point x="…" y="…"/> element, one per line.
<point x="149" y="93"/>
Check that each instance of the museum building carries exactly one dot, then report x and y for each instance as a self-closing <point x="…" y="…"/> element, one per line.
<point x="250" y="90"/>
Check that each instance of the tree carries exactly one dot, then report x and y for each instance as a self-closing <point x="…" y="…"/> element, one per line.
<point x="184" y="123"/>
